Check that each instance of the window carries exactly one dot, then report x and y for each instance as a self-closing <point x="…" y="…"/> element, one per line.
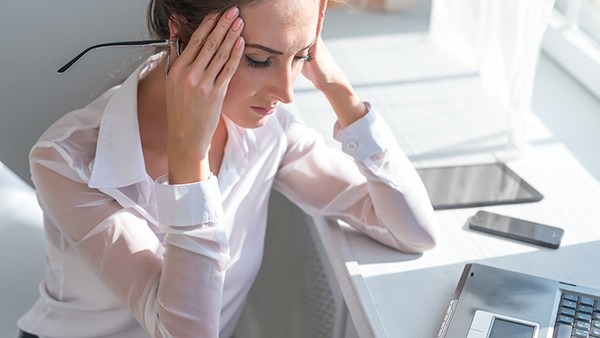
<point x="573" y="40"/>
<point x="589" y="18"/>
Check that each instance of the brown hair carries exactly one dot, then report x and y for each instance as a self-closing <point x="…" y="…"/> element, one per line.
<point x="189" y="13"/>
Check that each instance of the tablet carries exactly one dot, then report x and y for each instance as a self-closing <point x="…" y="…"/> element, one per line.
<point x="476" y="185"/>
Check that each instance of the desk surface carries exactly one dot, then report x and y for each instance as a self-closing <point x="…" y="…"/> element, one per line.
<point x="440" y="116"/>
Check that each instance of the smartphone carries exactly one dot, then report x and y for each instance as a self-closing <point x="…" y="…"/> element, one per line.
<point x="517" y="229"/>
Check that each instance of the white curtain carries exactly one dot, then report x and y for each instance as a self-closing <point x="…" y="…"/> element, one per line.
<point x="501" y="38"/>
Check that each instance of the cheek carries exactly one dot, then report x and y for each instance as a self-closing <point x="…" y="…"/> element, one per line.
<point x="242" y="87"/>
<point x="297" y="70"/>
<point x="238" y="86"/>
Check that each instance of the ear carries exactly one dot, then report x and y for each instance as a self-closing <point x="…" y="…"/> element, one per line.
<point x="175" y="24"/>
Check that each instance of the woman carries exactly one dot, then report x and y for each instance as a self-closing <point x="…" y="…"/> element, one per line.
<point x="155" y="194"/>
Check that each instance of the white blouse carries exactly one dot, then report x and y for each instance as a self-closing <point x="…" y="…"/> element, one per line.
<point x="129" y="257"/>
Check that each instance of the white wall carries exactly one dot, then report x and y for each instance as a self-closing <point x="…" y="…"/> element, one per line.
<point x="38" y="37"/>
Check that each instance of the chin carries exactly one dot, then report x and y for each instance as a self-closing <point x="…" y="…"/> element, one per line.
<point x="250" y="123"/>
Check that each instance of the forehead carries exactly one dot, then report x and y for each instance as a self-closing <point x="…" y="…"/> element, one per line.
<point x="285" y="25"/>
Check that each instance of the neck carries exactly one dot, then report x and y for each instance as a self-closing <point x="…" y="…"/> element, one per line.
<point x="152" y="117"/>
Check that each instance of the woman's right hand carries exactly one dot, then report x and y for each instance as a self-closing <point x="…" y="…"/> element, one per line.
<point x="195" y="89"/>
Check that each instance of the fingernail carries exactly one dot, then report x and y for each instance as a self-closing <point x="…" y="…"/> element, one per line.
<point x="236" y="24"/>
<point x="239" y="43"/>
<point x="232" y="12"/>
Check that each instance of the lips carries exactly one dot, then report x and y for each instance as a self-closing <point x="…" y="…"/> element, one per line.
<point x="264" y="111"/>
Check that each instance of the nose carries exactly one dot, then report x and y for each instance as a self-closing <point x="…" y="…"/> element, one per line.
<point x="282" y="85"/>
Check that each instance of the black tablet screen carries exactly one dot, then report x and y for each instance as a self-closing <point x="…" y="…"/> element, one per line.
<point x="466" y="186"/>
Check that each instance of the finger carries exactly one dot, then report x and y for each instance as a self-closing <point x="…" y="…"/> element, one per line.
<point x="197" y="39"/>
<point x="226" y="50"/>
<point x="320" y="22"/>
<point x="227" y="71"/>
<point x="216" y="38"/>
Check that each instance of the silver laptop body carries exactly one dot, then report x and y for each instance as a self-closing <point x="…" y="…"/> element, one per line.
<point x="497" y="303"/>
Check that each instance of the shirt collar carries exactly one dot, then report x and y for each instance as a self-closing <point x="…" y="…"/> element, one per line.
<point x="119" y="160"/>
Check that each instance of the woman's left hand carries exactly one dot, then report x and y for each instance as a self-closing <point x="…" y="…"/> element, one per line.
<point x="328" y="77"/>
<point x="322" y="69"/>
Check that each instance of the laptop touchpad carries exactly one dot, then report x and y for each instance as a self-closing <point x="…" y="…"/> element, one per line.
<point x="491" y="325"/>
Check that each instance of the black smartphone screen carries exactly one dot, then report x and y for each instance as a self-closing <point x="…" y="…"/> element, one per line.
<point x="518" y="229"/>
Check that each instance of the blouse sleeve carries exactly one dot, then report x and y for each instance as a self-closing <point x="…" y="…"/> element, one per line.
<point x="370" y="184"/>
<point x="174" y="288"/>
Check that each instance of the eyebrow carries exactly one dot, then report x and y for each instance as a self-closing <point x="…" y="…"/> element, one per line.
<point x="273" y="51"/>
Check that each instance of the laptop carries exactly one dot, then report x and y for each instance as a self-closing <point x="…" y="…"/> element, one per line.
<point x="497" y="303"/>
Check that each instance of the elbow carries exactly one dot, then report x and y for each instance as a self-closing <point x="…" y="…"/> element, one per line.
<point x="431" y="236"/>
<point x="423" y="244"/>
<point x="429" y="242"/>
<point x="426" y="238"/>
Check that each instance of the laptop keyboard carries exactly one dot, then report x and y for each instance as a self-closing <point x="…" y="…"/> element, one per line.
<point x="578" y="317"/>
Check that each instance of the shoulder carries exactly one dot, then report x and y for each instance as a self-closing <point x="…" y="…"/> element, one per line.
<point x="69" y="144"/>
<point x="78" y="119"/>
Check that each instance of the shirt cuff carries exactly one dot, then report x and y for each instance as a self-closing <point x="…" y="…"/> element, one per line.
<point x="189" y="204"/>
<point x="366" y="137"/>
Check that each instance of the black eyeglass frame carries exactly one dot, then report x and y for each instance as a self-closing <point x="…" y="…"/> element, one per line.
<point x="139" y="43"/>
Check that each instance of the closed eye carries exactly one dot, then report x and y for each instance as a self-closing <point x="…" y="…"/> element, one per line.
<point x="258" y="64"/>
<point x="306" y="58"/>
<point x="268" y="62"/>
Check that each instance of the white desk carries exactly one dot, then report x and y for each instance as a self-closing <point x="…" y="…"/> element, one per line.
<point x="391" y="294"/>
<point x="440" y="115"/>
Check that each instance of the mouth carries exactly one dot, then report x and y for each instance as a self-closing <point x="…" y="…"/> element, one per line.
<point x="263" y="111"/>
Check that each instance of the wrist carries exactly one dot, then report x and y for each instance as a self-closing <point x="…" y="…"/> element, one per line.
<point x="346" y="103"/>
<point x="187" y="167"/>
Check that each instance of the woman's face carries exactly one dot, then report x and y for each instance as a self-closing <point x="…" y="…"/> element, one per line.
<point x="277" y="34"/>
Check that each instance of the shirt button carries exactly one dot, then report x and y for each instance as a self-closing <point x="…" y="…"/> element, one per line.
<point x="352" y="145"/>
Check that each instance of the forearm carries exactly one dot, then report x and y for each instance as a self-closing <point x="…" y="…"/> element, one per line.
<point x="345" y="102"/>
<point x="196" y="256"/>
<point x="188" y="302"/>
<point x="373" y="186"/>
<point x="400" y="203"/>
